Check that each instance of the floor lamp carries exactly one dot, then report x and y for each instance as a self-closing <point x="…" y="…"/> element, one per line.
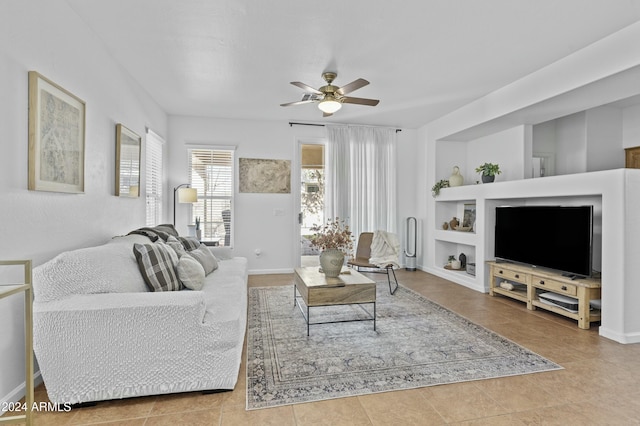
<point x="185" y="195"/>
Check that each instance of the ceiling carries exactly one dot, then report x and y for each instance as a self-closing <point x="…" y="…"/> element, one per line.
<point x="424" y="58"/>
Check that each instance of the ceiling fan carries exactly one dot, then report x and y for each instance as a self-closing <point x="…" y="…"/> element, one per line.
<point x="330" y="98"/>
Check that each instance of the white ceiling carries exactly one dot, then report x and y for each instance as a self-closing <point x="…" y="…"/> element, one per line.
<point x="424" y="58"/>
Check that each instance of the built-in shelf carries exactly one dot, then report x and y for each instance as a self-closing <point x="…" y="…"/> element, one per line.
<point x="468" y="238"/>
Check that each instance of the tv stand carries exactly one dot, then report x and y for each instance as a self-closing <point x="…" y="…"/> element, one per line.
<point x="533" y="281"/>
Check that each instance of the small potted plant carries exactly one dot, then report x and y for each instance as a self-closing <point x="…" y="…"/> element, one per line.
<point x="435" y="190"/>
<point x="335" y="240"/>
<point x="488" y="172"/>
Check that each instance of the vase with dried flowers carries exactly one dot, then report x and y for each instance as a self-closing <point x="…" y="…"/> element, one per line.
<point x="335" y="240"/>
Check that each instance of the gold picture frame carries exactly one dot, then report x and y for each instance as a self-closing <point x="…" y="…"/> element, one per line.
<point x="128" y="149"/>
<point x="56" y="137"/>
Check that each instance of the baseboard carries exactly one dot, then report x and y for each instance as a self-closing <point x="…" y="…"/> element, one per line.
<point x="626" y="338"/>
<point x="19" y="392"/>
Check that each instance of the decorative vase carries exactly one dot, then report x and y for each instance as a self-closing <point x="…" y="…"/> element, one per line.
<point x="331" y="261"/>
<point x="199" y="234"/>
<point x="456" y="178"/>
<point x="488" y="179"/>
<point x="192" y="230"/>
<point x="445" y="226"/>
<point x="463" y="260"/>
<point x="453" y="223"/>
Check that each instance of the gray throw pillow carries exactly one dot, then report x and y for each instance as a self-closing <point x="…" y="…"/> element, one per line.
<point x="190" y="272"/>
<point x="156" y="264"/>
<point x="189" y="243"/>
<point x="221" y="252"/>
<point x="206" y="259"/>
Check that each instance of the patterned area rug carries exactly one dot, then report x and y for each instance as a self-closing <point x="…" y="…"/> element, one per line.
<point x="417" y="343"/>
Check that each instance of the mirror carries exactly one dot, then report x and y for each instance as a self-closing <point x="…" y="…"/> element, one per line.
<point x="128" y="147"/>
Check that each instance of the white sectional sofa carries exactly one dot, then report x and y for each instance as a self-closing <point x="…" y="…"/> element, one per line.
<point x="100" y="333"/>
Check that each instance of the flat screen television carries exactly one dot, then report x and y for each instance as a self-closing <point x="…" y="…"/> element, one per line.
<point x="555" y="237"/>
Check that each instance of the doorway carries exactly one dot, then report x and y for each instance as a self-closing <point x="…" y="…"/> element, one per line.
<point x="312" y="189"/>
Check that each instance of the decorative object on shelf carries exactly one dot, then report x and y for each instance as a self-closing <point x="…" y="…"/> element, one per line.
<point x="488" y="172"/>
<point x="445" y="225"/>
<point x="453" y="223"/>
<point x="56" y="137"/>
<point x="435" y="190"/>
<point x="463" y="260"/>
<point x="463" y="228"/>
<point x="454" y="264"/>
<point x="198" y="230"/>
<point x="469" y="215"/>
<point x="456" y="178"/>
<point x="335" y="240"/>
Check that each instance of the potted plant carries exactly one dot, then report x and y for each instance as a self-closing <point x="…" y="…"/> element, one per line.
<point x="488" y="172"/>
<point x="335" y="240"/>
<point x="435" y="190"/>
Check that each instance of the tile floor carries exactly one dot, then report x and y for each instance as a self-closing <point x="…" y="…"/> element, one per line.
<point x="600" y="384"/>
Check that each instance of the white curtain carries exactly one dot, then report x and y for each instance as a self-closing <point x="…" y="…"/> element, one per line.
<point x="360" y="177"/>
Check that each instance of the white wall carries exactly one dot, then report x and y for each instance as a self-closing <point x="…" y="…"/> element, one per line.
<point x="506" y="148"/>
<point x="256" y="225"/>
<point x="631" y="126"/>
<point x="604" y="139"/>
<point x="571" y="147"/>
<point x="49" y="38"/>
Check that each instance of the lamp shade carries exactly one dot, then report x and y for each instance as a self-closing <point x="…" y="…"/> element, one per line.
<point x="187" y="195"/>
<point x="329" y="105"/>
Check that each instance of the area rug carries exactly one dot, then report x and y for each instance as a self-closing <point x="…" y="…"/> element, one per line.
<point x="416" y="343"/>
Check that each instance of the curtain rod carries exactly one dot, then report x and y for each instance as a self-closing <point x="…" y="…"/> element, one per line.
<point x="293" y="123"/>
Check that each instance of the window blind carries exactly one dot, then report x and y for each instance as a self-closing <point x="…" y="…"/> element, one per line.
<point x="211" y="173"/>
<point x="153" y="174"/>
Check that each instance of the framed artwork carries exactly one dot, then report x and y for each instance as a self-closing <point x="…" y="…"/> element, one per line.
<point x="264" y="176"/>
<point x="56" y="137"/>
<point x="128" y="148"/>
<point x="469" y="216"/>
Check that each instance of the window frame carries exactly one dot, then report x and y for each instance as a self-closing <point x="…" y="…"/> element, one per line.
<point x="232" y="186"/>
<point x="154" y="186"/>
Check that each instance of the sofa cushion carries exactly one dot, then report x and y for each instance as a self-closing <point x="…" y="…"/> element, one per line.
<point x="190" y="272"/>
<point x="157" y="264"/>
<point x="108" y="268"/>
<point x="206" y="259"/>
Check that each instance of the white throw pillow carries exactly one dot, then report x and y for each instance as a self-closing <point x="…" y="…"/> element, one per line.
<point x="206" y="259"/>
<point x="190" y="272"/>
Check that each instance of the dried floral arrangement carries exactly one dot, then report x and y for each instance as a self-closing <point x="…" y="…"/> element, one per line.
<point x="334" y="234"/>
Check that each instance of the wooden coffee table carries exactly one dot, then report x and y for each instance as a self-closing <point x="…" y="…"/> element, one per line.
<point x="315" y="289"/>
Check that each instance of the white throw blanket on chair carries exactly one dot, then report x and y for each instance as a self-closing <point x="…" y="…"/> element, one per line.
<point x="385" y="248"/>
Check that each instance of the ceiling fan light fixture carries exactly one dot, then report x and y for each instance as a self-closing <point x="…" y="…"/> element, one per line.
<point x="329" y="105"/>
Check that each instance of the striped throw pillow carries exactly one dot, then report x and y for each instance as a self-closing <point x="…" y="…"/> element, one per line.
<point x="156" y="263"/>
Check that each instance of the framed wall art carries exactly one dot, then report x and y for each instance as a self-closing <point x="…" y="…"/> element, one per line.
<point x="56" y="137"/>
<point x="264" y="176"/>
<point x="128" y="148"/>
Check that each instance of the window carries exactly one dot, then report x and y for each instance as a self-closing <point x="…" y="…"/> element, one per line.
<point x="153" y="159"/>
<point x="211" y="173"/>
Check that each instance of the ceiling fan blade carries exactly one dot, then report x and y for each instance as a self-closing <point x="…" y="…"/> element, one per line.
<point x="360" y="101"/>
<point x="305" y="87"/>
<point x="354" y="85"/>
<point x="327" y="114"/>
<point x="298" y="102"/>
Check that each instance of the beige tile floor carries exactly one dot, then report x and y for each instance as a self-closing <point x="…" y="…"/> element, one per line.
<point x="600" y="383"/>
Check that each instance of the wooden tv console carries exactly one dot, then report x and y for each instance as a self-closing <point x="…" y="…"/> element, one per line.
<point x="534" y="281"/>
